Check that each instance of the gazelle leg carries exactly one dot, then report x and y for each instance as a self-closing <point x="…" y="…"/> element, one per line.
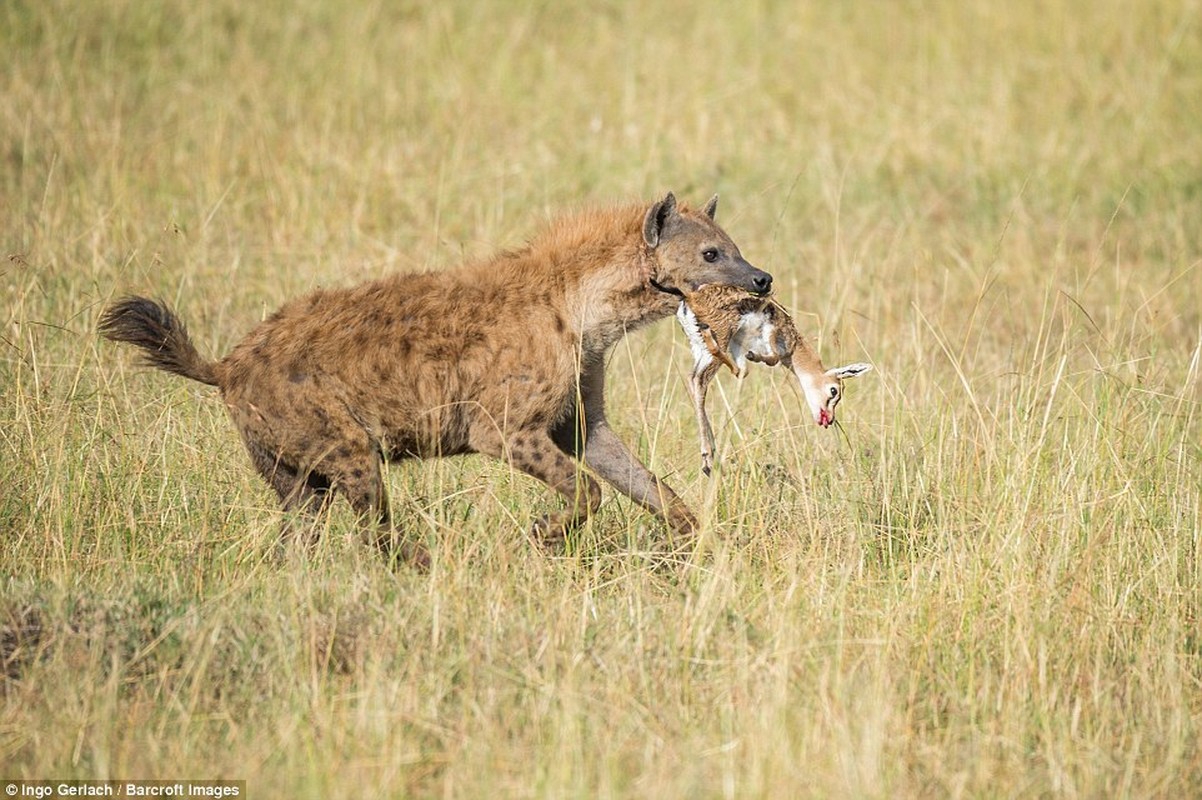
<point x="700" y="386"/>
<point x="711" y="344"/>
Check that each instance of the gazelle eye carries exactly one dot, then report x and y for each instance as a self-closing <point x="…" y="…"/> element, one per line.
<point x="710" y="254"/>
<point x="834" y="392"/>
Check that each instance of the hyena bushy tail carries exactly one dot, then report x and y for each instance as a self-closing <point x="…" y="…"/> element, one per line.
<point x="162" y="336"/>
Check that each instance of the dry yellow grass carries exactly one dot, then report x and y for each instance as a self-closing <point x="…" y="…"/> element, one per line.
<point x="989" y="584"/>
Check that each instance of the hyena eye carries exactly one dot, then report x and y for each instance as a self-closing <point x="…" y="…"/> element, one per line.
<point x="710" y="254"/>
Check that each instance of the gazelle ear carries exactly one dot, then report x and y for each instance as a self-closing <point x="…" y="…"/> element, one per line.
<point x="711" y="207"/>
<point x="849" y="371"/>
<point x="657" y="219"/>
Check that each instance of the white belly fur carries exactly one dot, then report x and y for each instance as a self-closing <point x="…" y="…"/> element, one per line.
<point x="754" y="335"/>
<point x="692" y="330"/>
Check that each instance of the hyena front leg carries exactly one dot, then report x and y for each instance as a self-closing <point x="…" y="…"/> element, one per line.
<point x="605" y="454"/>
<point x="608" y="457"/>
<point x="534" y="453"/>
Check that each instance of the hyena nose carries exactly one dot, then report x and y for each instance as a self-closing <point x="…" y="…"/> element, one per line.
<point x="762" y="282"/>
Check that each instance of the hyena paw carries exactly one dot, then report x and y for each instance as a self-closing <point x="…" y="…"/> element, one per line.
<point x="683" y="524"/>
<point x="416" y="555"/>
<point x="398" y="551"/>
<point x="549" y="531"/>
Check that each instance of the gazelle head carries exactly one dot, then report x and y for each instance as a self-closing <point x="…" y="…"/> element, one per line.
<point x="824" y="390"/>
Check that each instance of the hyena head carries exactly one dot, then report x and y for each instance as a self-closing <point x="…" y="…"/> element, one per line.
<point x="690" y="251"/>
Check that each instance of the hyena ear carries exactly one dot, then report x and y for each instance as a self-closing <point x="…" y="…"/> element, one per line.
<point x="657" y="218"/>
<point x="849" y="371"/>
<point x="711" y="207"/>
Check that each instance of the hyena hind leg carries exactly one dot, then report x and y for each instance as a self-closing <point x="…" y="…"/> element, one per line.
<point x="351" y="470"/>
<point x="305" y="496"/>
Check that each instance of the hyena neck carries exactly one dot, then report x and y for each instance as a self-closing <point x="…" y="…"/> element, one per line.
<point x="608" y="312"/>
<point x="615" y="293"/>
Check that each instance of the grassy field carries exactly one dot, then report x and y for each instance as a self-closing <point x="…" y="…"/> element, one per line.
<point x="987" y="584"/>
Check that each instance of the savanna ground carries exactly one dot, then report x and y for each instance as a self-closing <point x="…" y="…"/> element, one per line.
<point x="988" y="583"/>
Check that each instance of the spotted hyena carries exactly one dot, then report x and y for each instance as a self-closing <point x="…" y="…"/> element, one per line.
<point x="503" y="357"/>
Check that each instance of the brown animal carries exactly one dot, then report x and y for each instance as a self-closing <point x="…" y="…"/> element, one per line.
<point x="726" y="324"/>
<point x="504" y="357"/>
